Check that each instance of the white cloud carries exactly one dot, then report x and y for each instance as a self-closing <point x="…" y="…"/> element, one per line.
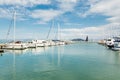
<point x="100" y="32"/>
<point x="24" y="2"/>
<point x="8" y="6"/>
<point x="72" y="24"/>
<point x="45" y="15"/>
<point x="5" y="13"/>
<point x="73" y="1"/>
<point x="110" y="8"/>
<point x="67" y="5"/>
<point x="114" y="19"/>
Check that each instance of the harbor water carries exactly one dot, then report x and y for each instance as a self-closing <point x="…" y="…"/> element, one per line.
<point x="81" y="61"/>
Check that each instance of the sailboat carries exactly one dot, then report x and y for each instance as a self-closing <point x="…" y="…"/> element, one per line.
<point x="15" y="45"/>
<point x="49" y="41"/>
<point x="41" y="43"/>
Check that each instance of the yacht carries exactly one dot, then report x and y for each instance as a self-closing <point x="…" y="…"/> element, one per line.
<point x="35" y="43"/>
<point x="39" y="43"/>
<point x="110" y="43"/>
<point x="113" y="43"/>
<point x="116" y="44"/>
<point x="31" y="44"/>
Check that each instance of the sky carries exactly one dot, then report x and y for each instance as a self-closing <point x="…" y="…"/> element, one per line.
<point x="97" y="19"/>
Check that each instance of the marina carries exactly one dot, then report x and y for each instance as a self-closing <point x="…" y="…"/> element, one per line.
<point x="59" y="59"/>
<point x="59" y="40"/>
<point x="68" y="62"/>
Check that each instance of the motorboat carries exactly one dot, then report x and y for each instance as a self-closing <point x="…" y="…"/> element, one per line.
<point x="110" y="43"/>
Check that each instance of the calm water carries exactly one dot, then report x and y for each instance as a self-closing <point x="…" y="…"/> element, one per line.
<point x="83" y="61"/>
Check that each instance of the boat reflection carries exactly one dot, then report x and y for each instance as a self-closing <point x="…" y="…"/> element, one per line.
<point x="57" y="55"/>
<point x="16" y="52"/>
<point x="116" y="57"/>
<point x="60" y="52"/>
<point x="37" y="51"/>
<point x="33" y="51"/>
<point x="113" y="57"/>
<point x="14" y="64"/>
<point x="1" y="54"/>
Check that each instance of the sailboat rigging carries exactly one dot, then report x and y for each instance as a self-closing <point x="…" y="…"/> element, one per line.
<point x="15" y="45"/>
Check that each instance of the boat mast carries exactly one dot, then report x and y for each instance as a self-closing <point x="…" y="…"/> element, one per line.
<point x="14" y="25"/>
<point x="58" y="31"/>
<point x="50" y="30"/>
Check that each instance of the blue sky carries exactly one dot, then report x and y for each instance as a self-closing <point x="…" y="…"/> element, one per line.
<point x="77" y="18"/>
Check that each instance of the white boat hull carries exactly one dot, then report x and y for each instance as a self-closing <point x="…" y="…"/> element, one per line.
<point x="116" y="48"/>
<point x="40" y="45"/>
<point x="35" y="43"/>
<point x="32" y="45"/>
<point x="14" y="46"/>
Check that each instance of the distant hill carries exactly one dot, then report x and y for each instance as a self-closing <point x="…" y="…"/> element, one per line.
<point x="78" y="39"/>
